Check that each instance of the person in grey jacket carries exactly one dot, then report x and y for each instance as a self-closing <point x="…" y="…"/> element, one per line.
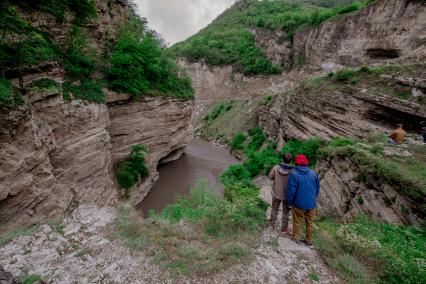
<point x="280" y="174"/>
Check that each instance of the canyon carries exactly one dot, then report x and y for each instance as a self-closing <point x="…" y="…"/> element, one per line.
<point x="354" y="77"/>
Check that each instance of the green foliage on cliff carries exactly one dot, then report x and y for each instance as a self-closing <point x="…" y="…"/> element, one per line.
<point x="227" y="41"/>
<point x="218" y="110"/>
<point x="132" y="169"/>
<point x="138" y="64"/>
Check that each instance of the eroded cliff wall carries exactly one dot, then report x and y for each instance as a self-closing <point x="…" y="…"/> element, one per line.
<point x="389" y="31"/>
<point x="58" y="153"/>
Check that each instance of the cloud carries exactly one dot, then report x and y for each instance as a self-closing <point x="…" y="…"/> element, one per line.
<point x="177" y="20"/>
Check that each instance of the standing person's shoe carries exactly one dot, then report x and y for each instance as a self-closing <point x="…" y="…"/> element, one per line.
<point x="286" y="232"/>
<point x="305" y="243"/>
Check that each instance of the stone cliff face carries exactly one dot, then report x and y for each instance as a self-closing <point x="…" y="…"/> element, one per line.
<point x="56" y="154"/>
<point x="344" y="195"/>
<point x="389" y="31"/>
<point x="212" y="84"/>
<point x="163" y="125"/>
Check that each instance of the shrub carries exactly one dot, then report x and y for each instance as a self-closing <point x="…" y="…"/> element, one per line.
<point x="344" y="75"/>
<point x="218" y="110"/>
<point x="309" y="148"/>
<point x="130" y="171"/>
<point x="236" y="173"/>
<point x="237" y="141"/>
<point x="341" y="141"/>
<point x="257" y="138"/>
<point x="6" y="93"/>
<point x="86" y="90"/>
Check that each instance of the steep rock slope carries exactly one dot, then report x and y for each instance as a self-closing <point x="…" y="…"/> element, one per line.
<point x="326" y="107"/>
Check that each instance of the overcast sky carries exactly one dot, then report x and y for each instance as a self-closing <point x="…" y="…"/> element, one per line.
<point x="176" y="20"/>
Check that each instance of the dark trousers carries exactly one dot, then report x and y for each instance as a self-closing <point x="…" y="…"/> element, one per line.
<point x="424" y="137"/>
<point x="274" y="212"/>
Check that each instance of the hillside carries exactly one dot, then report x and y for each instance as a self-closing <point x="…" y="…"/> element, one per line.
<point x="228" y="40"/>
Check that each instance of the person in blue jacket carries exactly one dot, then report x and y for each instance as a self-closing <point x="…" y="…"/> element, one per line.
<point x="302" y="192"/>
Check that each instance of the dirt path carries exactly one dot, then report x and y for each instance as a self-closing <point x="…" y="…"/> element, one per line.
<point x="86" y="251"/>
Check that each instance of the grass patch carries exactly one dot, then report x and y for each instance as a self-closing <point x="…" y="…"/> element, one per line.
<point x="132" y="170"/>
<point x="4" y="239"/>
<point x="57" y="226"/>
<point x="30" y="279"/>
<point x="45" y="85"/>
<point x="218" y="110"/>
<point x="365" y="250"/>
<point x="200" y="233"/>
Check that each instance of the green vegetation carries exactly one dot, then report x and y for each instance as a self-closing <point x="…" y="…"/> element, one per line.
<point x="4" y="239"/>
<point x="135" y="64"/>
<point x="369" y="78"/>
<point x="30" y="279"/>
<point x="227" y="41"/>
<point x="8" y="98"/>
<point x="138" y="64"/>
<point x="131" y="170"/>
<point x="406" y="174"/>
<point x="82" y="10"/>
<point x="237" y="141"/>
<point x="241" y="117"/>
<point x="198" y="234"/>
<point x="364" y="251"/>
<point x="218" y="110"/>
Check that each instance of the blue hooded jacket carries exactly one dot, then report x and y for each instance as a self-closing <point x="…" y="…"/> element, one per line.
<point x="303" y="188"/>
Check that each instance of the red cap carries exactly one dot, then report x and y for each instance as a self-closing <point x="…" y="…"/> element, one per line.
<point x="301" y="160"/>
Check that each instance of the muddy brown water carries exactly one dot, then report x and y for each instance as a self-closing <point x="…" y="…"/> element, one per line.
<point x="200" y="161"/>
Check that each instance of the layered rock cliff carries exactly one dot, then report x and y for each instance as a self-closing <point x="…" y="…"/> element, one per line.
<point x="59" y="152"/>
<point x="389" y="31"/>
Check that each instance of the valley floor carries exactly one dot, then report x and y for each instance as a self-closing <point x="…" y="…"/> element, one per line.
<point x="85" y="249"/>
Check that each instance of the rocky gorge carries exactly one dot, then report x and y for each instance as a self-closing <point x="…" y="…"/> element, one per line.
<point x="347" y="81"/>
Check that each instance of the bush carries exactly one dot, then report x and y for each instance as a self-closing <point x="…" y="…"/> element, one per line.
<point x="340" y="141"/>
<point x="257" y="138"/>
<point x="89" y="90"/>
<point x="309" y="148"/>
<point x="130" y="171"/>
<point x="344" y="75"/>
<point x="238" y="141"/>
<point x="218" y="110"/>
<point x="236" y="173"/>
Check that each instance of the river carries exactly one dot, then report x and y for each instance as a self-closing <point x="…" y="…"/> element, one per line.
<point x="201" y="160"/>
